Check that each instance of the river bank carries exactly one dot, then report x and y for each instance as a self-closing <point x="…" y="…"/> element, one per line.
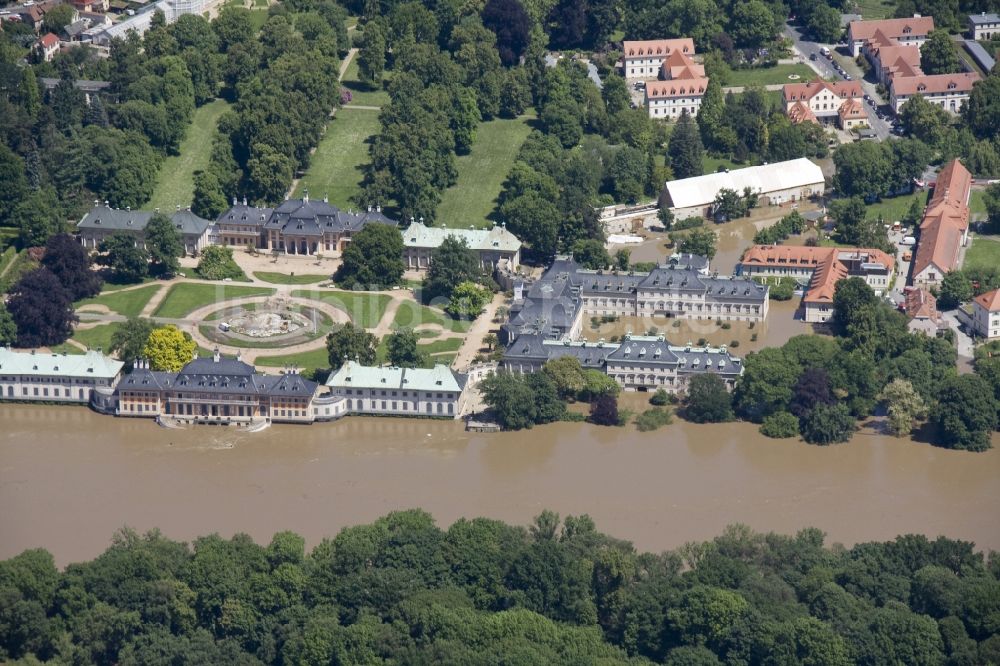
<point x="69" y="478"/>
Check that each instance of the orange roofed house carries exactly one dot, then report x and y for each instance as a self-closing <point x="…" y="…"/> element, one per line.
<point x="825" y="101"/>
<point x="986" y="314"/>
<point x="643" y="60"/>
<point x="921" y="309"/>
<point x="820" y="268"/>
<point x="682" y="81"/>
<point x="907" y="31"/>
<point x="945" y="226"/>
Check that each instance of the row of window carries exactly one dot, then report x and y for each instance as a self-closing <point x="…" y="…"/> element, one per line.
<point x="399" y="406"/>
<point x="43" y="392"/>
<point x="31" y="379"/>
<point x="402" y="394"/>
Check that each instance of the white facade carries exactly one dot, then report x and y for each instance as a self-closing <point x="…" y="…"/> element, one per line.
<point x="670" y="108"/>
<point x="984" y="26"/>
<point x="986" y="315"/>
<point x="46" y="377"/>
<point x="951" y="100"/>
<point x="389" y="391"/>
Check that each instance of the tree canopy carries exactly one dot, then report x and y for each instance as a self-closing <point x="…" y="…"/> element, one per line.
<point x="373" y="259"/>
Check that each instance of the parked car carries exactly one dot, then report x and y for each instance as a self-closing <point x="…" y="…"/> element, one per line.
<point x="812" y="56"/>
<point x="908" y="240"/>
<point x="847" y="77"/>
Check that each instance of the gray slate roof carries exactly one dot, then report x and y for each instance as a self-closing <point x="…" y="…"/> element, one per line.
<point x="303" y="217"/>
<point x="980" y="19"/>
<point x="116" y="219"/>
<point x="221" y="377"/>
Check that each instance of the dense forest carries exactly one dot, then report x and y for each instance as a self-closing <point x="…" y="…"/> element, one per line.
<point x="404" y="591"/>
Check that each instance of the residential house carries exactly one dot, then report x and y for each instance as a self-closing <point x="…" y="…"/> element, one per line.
<point x="296" y="226"/>
<point x="390" y="391"/>
<point x="819" y="269"/>
<point x="636" y="363"/>
<point x="949" y="91"/>
<point x="777" y="183"/>
<point x="644" y="60"/>
<point x="920" y="307"/>
<point x="493" y="246"/>
<point x="945" y="226"/>
<point x="216" y="390"/>
<point x="986" y="315"/>
<point x="890" y="60"/>
<point x="825" y="101"/>
<point x="667" y="100"/>
<point x="46" y="377"/>
<point x="908" y="31"/>
<point x="47" y="47"/>
<point x="984" y="26"/>
<point x="103" y="221"/>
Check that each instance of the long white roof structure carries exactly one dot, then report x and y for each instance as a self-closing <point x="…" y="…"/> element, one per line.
<point x="497" y="238"/>
<point x="355" y="375"/>
<point x="91" y="364"/>
<point x="701" y="190"/>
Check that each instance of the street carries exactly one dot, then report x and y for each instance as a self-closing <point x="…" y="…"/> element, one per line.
<point x="826" y="70"/>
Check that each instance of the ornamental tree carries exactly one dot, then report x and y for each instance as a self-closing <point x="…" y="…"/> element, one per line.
<point x="467" y="300"/>
<point x="708" y="401"/>
<point x="71" y="264"/>
<point x="163" y="241"/>
<point x="828" y="424"/>
<point x="41" y="310"/>
<point x="403" y="350"/>
<point x="373" y="260"/>
<point x="168" y="348"/>
<point x="130" y="338"/>
<point x="966" y="413"/>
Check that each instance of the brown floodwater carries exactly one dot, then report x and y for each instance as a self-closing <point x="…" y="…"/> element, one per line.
<point x="69" y="478"/>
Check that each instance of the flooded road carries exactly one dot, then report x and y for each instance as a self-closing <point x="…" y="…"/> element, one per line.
<point x="69" y="478"/>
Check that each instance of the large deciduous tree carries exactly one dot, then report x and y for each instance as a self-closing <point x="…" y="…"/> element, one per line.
<point x="700" y="241"/>
<point x="828" y="424"/>
<point x="965" y="414"/>
<point x="708" y="400"/>
<point x="41" y="309"/>
<point x="938" y="54"/>
<point x="956" y="288"/>
<point x="217" y="263"/>
<point x="129" y="340"/>
<point x="163" y="241"/>
<point x="71" y="264"/>
<point x="350" y="343"/>
<point x="452" y="263"/>
<point x="373" y="260"/>
<point x="982" y="110"/>
<point x="604" y="410"/>
<point x="168" y="348"/>
<point x="467" y="300"/>
<point x="371" y="57"/>
<point x="511" y="399"/>
<point x="128" y="263"/>
<point x="904" y="406"/>
<point x="512" y="25"/>
<point x="402" y="349"/>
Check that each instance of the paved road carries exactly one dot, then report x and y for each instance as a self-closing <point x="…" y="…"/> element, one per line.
<point x="825" y="68"/>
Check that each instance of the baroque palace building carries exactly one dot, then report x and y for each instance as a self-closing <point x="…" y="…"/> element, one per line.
<point x="216" y="390"/>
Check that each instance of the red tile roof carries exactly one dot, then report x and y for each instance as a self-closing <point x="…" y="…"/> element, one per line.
<point x="676" y="88"/>
<point x="806" y="91"/>
<point x="656" y="47"/>
<point x="936" y="83"/>
<point x="921" y="304"/>
<point x="945" y="220"/>
<point x="990" y="300"/>
<point x="49" y="40"/>
<point x="852" y="110"/>
<point x="892" y="28"/>
<point x="801" y="113"/>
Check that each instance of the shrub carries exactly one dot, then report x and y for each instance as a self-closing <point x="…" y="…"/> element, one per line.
<point x="783" y="291"/>
<point x="217" y="263"/>
<point x="651" y="419"/>
<point x="780" y="426"/>
<point x="660" y="398"/>
<point x="734" y="343"/>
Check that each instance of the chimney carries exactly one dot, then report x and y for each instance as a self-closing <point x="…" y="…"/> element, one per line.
<point x="216" y="355"/>
<point x="177" y="208"/>
<point x="305" y="196"/>
<point x="378" y="208"/>
<point x="326" y="198"/>
<point x="234" y="199"/>
<point x="244" y="201"/>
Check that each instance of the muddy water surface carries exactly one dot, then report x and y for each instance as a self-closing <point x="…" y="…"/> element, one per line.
<point x="69" y="478"/>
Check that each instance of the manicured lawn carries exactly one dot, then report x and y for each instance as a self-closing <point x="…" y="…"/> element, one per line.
<point x="175" y="183"/>
<point x="875" y="9"/>
<point x="411" y="315"/>
<point x="763" y="76"/>
<point x="335" y="168"/>
<point x="364" y="309"/>
<point x="129" y="303"/>
<point x="481" y="173"/>
<point x="442" y="346"/>
<point x="283" y="278"/>
<point x="983" y="253"/>
<point x="976" y="204"/>
<point x="183" y="298"/>
<point x="310" y="360"/>
<point x="96" y="337"/>
<point x="895" y="208"/>
<point x="361" y="93"/>
<point x="712" y="164"/>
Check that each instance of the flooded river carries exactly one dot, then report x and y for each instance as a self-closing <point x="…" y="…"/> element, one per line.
<point x="69" y="478"/>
